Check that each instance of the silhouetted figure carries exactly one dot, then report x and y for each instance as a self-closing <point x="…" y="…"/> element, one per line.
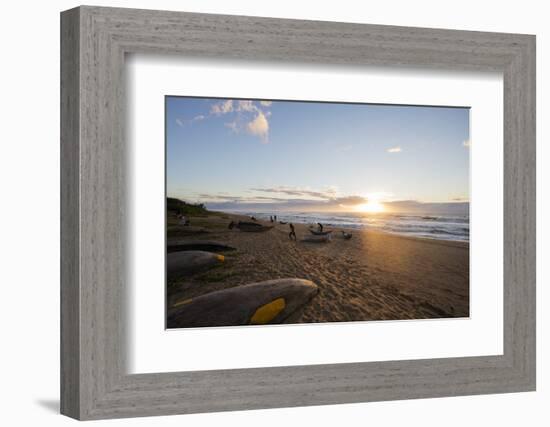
<point x="320" y="227"/>
<point x="292" y="233"/>
<point x="231" y="225"/>
<point x="270" y="218"/>
<point x="253" y="219"/>
<point x="275" y="218"/>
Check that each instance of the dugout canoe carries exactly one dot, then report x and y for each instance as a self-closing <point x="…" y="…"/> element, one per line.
<point x="198" y="245"/>
<point x="320" y="233"/>
<point x="185" y="263"/>
<point x="269" y="302"/>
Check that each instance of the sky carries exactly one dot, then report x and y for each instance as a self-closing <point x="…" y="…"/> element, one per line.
<point x="238" y="154"/>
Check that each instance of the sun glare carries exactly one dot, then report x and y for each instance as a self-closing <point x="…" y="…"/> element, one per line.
<point x="371" y="206"/>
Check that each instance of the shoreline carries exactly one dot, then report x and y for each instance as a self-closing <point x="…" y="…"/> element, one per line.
<point x="246" y="217"/>
<point x="375" y="275"/>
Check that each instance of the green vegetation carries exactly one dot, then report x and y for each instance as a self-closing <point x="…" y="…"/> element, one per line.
<point x="180" y="207"/>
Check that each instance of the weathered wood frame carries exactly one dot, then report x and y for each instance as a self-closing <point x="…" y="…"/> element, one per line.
<point x="94" y="41"/>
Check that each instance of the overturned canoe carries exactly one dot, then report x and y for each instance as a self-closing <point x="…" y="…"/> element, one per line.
<point x="247" y="226"/>
<point x="269" y="302"/>
<point x="197" y="245"/>
<point x="191" y="262"/>
<point x="320" y="233"/>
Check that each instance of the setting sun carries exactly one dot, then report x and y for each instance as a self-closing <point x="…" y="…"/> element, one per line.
<point x="372" y="206"/>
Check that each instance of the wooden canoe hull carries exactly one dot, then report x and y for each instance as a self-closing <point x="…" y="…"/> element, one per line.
<point x="320" y="233"/>
<point x="185" y="263"/>
<point x="268" y="302"/>
<point x="198" y="245"/>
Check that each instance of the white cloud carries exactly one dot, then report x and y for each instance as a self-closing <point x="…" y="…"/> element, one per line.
<point x="182" y="122"/>
<point x="394" y="150"/>
<point x="246" y="106"/>
<point x="467" y="143"/>
<point x="247" y="117"/>
<point x="222" y="107"/>
<point x="326" y="194"/>
<point x="259" y="127"/>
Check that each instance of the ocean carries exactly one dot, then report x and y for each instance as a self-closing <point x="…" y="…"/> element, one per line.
<point x="434" y="226"/>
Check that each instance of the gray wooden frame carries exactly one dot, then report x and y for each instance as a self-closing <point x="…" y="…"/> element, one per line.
<point x="94" y="41"/>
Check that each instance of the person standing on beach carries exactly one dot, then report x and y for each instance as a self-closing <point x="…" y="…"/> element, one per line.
<point x="292" y="232"/>
<point x="320" y="227"/>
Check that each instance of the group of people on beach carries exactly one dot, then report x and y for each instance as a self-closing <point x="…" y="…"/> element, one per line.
<point x="292" y="233"/>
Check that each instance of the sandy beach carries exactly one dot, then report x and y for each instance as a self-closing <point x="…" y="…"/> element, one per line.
<point x="372" y="276"/>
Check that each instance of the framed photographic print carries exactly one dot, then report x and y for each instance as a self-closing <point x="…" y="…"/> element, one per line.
<point x="262" y="213"/>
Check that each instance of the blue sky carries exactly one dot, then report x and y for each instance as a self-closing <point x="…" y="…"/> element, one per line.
<point x="328" y="156"/>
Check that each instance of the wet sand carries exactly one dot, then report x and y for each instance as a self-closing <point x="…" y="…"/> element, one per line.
<point x="372" y="276"/>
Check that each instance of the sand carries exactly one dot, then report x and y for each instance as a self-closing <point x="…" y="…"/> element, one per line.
<point x="372" y="276"/>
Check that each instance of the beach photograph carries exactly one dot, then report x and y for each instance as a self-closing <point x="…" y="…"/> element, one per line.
<point x="291" y="212"/>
